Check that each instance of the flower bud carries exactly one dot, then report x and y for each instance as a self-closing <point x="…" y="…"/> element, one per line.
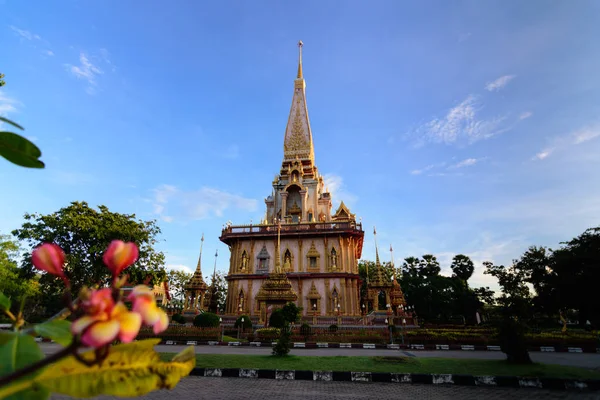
<point x="50" y="258"/>
<point x="119" y="256"/>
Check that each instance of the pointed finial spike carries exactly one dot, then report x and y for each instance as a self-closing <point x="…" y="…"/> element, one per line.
<point x="300" y="44"/>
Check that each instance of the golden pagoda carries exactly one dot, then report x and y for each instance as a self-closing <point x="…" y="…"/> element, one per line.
<point x="301" y="251"/>
<point x="195" y="289"/>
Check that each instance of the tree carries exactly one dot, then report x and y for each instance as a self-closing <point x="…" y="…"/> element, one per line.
<point x="218" y="293"/>
<point x="2" y="82"/>
<point x="177" y="280"/>
<point x="515" y="300"/>
<point x="11" y="284"/>
<point x="462" y="267"/>
<point x="575" y="272"/>
<point x="207" y="320"/>
<point x="429" y="266"/>
<point x="291" y="312"/>
<point x="84" y="234"/>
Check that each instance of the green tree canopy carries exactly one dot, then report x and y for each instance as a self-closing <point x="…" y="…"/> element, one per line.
<point x="11" y="284"/>
<point x="462" y="267"/>
<point x="84" y="234"/>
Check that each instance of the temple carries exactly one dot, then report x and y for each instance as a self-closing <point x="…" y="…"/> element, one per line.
<point x="301" y="251"/>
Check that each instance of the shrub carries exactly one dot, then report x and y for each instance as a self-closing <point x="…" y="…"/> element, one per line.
<point x="180" y="319"/>
<point x="207" y="320"/>
<point x="268" y="333"/>
<point x="277" y="319"/>
<point x="247" y="322"/>
<point x="284" y="344"/>
<point x="512" y="341"/>
<point x="291" y="312"/>
<point x="333" y="328"/>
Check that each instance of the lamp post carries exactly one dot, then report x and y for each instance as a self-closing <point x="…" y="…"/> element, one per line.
<point x="221" y="324"/>
<point x="364" y="314"/>
<point x="388" y="322"/>
<point x="339" y="318"/>
<point x="241" y="327"/>
<point x="314" y="313"/>
<point x="402" y="334"/>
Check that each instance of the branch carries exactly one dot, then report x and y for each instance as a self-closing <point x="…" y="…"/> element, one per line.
<point x="32" y="368"/>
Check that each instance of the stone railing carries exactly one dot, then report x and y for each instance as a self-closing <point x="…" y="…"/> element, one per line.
<point x="292" y="228"/>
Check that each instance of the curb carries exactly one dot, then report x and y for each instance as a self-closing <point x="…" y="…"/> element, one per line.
<point x="319" y="345"/>
<point x="389" y="377"/>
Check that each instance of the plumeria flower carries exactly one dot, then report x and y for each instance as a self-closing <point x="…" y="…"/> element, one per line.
<point x="119" y="256"/>
<point x="50" y="257"/>
<point x="104" y="320"/>
<point x="144" y="303"/>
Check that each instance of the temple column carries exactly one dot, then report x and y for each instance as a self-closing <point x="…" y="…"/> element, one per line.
<point x="284" y="196"/>
<point x="303" y="197"/>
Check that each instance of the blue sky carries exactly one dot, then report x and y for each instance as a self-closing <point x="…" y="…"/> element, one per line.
<point x="454" y="127"/>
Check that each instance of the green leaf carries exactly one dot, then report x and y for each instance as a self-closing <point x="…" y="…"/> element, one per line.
<point x="18" y="150"/>
<point x="131" y="369"/>
<point x="4" y="302"/>
<point x="6" y="336"/>
<point x="17" y="353"/>
<point x="57" y="330"/>
<point x="8" y="121"/>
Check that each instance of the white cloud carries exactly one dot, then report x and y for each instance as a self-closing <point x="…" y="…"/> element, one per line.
<point x="543" y="154"/>
<point x="577" y="137"/>
<point x="525" y="115"/>
<point x="179" y="267"/>
<point x="335" y="185"/>
<point x="7" y="104"/>
<point x="171" y="203"/>
<point x="586" y="134"/>
<point x="461" y="123"/>
<point x="48" y="52"/>
<point x="424" y="169"/>
<point x="465" y="163"/>
<point x="32" y="138"/>
<point x="25" y="34"/>
<point x="499" y="83"/>
<point x="86" y="70"/>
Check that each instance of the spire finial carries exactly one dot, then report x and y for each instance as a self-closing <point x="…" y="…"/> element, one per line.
<point x="376" y="250"/>
<point x="300" y="44"/>
<point x="199" y="266"/>
<point x="393" y="267"/>
<point x="215" y="270"/>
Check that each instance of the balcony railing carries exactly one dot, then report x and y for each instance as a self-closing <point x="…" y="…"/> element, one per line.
<point x="292" y="227"/>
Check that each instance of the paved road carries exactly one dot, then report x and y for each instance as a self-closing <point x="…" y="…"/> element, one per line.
<point x="196" y="388"/>
<point x="585" y="360"/>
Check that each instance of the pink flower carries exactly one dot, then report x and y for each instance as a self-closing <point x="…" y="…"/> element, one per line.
<point x="144" y="303"/>
<point x="119" y="256"/>
<point x="49" y="257"/>
<point x="104" y="320"/>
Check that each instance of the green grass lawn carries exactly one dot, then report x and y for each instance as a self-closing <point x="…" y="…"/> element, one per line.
<point x="390" y="364"/>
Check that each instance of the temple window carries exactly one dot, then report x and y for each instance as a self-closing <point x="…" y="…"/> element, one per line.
<point x="263" y="261"/>
<point x="313" y="262"/>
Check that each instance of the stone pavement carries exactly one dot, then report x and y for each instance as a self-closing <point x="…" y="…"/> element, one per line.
<point x="196" y="388"/>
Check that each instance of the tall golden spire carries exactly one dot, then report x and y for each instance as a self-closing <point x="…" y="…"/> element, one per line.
<point x="199" y="266"/>
<point x="376" y="250"/>
<point x="300" y="44"/>
<point x="394" y="268"/>
<point x="298" y="143"/>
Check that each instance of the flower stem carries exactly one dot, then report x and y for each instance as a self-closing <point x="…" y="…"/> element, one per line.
<point x="4" y="392"/>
